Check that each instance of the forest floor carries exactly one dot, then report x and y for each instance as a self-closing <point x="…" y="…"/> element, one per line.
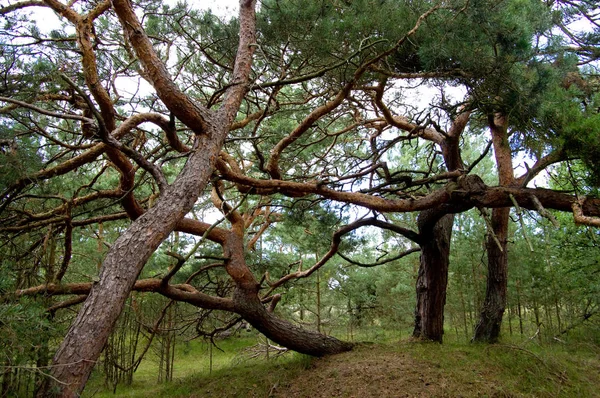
<point x="401" y="369"/>
<point x="430" y="370"/>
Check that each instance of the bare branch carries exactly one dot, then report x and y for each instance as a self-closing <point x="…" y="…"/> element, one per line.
<point x="43" y="111"/>
<point x="381" y="262"/>
<point x="20" y="5"/>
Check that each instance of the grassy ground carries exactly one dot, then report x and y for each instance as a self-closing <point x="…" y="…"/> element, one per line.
<point x="192" y="361"/>
<point x="392" y="369"/>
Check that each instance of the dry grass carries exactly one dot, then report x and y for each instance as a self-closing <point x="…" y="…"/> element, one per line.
<point x="404" y="369"/>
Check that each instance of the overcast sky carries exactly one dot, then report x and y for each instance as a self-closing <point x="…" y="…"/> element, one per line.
<point x="221" y="8"/>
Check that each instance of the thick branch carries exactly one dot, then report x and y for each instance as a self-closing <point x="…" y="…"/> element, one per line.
<point x="191" y="114"/>
<point x="580" y="218"/>
<point x="539" y="166"/>
<point x="21" y="5"/>
<point x="182" y="292"/>
<point x="467" y="194"/>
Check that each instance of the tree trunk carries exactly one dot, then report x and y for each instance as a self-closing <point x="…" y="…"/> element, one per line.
<point x="433" y="279"/>
<point x="283" y="332"/>
<point x="434" y="235"/>
<point x="77" y="355"/>
<point x="490" y="320"/>
<point x="519" y="312"/>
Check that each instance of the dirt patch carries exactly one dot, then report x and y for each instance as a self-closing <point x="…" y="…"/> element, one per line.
<point x="410" y="369"/>
<point x="373" y="371"/>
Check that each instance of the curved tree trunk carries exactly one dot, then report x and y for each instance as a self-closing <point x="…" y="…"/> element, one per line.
<point x="283" y="332"/>
<point x="433" y="278"/>
<point x="490" y="321"/>
<point x="77" y="355"/>
<point x="248" y="304"/>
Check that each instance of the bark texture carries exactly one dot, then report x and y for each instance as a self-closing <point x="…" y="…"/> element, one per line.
<point x="435" y="236"/>
<point x="433" y="278"/>
<point x="248" y="304"/>
<point x="490" y="319"/>
<point x="494" y="304"/>
<point x="77" y="355"/>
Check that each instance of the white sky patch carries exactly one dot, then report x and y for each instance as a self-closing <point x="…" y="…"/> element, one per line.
<point x="222" y="8"/>
<point x="49" y="20"/>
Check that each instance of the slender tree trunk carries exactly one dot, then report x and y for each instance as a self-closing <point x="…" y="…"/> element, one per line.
<point x="464" y="313"/>
<point x="318" y="312"/>
<point x="510" y="316"/>
<point x="433" y="279"/>
<point x="7" y="375"/>
<point x="557" y="309"/>
<point x="490" y="320"/>
<point x="538" y="322"/>
<point x="519" y="312"/>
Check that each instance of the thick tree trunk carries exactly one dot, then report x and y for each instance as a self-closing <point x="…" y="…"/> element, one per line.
<point x="490" y="321"/>
<point x="77" y="355"/>
<point x="435" y="234"/>
<point x="283" y="332"/>
<point x="433" y="278"/>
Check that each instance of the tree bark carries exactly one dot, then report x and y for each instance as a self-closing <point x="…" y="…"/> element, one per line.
<point x="434" y="240"/>
<point x="284" y="332"/>
<point x="494" y="304"/>
<point x="248" y="304"/>
<point x="77" y="355"/>
<point x="433" y="278"/>
<point x="490" y="320"/>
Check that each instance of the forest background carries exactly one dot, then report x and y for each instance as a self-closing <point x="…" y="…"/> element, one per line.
<point x="313" y="169"/>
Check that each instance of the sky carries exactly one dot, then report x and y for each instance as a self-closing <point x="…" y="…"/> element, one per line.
<point x="221" y="8"/>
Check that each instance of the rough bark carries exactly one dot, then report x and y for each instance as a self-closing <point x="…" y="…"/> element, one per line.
<point x="88" y="334"/>
<point x="248" y="304"/>
<point x="283" y="332"/>
<point x="435" y="236"/>
<point x="456" y="201"/>
<point x="77" y="355"/>
<point x="433" y="278"/>
<point x="490" y="319"/>
<point x="494" y="304"/>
